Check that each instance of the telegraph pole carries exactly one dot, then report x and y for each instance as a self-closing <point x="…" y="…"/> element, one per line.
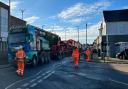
<point x="78" y="32"/>
<point x="65" y="32"/>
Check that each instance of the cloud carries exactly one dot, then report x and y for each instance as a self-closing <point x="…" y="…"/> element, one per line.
<point x="72" y="32"/>
<point x="14" y="4"/>
<point x="125" y="7"/>
<point x="31" y="19"/>
<point x="82" y="9"/>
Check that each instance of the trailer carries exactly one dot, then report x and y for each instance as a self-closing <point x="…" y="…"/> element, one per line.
<point x="34" y="44"/>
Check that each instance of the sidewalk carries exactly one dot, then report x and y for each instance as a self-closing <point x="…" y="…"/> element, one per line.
<point x="114" y="60"/>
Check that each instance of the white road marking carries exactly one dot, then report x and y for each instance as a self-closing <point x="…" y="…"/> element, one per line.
<point x="118" y="82"/>
<point x="43" y="74"/>
<point x="33" y="80"/>
<point x="9" y="86"/>
<point x="48" y="71"/>
<point x="22" y="80"/>
<point x="40" y="81"/>
<point x="18" y="88"/>
<point x="45" y="77"/>
<point x="38" y="77"/>
<point x="25" y="85"/>
<point x="33" y="85"/>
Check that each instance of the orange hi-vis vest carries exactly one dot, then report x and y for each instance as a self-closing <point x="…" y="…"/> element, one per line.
<point x="75" y="53"/>
<point x="20" y="54"/>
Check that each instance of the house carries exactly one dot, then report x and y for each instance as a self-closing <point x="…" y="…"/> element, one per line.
<point x="114" y="29"/>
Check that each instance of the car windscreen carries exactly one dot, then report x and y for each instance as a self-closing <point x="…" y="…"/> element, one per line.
<point x="17" y="38"/>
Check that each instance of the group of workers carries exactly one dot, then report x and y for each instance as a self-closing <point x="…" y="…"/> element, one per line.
<point x="76" y="55"/>
<point x="20" y="57"/>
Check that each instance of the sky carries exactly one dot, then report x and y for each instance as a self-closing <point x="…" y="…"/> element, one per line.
<point x="66" y="16"/>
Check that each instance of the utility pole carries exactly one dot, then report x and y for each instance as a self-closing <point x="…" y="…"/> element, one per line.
<point x="9" y="2"/>
<point x="78" y="32"/>
<point x="65" y="32"/>
<point x="107" y="44"/>
<point x="86" y="34"/>
<point x="22" y="13"/>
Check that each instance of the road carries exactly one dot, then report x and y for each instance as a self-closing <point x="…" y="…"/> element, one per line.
<point x="62" y="75"/>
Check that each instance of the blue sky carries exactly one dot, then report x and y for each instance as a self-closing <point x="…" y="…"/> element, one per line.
<point x="60" y="15"/>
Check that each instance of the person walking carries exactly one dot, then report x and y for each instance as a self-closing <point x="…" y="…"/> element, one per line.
<point x="75" y="56"/>
<point x="88" y="54"/>
<point x="20" y="55"/>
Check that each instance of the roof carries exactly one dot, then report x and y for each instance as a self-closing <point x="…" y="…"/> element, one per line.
<point x="4" y="6"/>
<point x="116" y="15"/>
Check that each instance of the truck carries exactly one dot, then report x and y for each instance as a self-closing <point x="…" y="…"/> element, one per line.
<point x="33" y="41"/>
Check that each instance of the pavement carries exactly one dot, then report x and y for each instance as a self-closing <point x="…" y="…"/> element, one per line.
<point x="63" y="75"/>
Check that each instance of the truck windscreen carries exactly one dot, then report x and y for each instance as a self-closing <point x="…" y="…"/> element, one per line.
<point x="17" y="38"/>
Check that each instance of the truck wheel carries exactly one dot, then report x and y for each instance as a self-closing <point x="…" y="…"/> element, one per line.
<point x="34" y="61"/>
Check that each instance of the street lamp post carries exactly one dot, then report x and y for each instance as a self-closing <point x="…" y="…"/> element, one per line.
<point x="22" y="13"/>
<point x="78" y="32"/>
<point x="86" y="34"/>
<point x="65" y="32"/>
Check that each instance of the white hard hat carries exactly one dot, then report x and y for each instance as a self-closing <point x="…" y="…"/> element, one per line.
<point x="20" y="47"/>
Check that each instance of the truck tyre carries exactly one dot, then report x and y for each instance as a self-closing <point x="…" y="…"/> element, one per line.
<point x="34" y="61"/>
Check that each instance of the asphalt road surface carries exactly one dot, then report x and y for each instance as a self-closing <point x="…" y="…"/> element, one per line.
<point x="63" y="75"/>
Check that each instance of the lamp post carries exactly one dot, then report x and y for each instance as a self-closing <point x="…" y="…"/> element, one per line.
<point x="65" y="32"/>
<point x="86" y="34"/>
<point x="22" y="13"/>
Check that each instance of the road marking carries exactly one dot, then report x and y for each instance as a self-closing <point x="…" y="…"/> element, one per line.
<point x="25" y="85"/>
<point x="45" y="77"/>
<point x="27" y="88"/>
<point x="40" y="81"/>
<point x="18" y="88"/>
<point x="9" y="86"/>
<point x="33" y="85"/>
<point x="33" y="80"/>
<point x="22" y="80"/>
<point x="118" y="82"/>
<point x="48" y="71"/>
<point x="43" y="74"/>
<point x="38" y="77"/>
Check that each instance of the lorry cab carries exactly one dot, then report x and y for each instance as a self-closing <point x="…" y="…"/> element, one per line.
<point x="32" y="42"/>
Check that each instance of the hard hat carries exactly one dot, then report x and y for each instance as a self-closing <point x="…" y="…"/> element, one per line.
<point x="20" y="47"/>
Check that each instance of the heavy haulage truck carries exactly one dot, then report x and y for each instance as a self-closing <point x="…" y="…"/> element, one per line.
<point x="40" y="46"/>
<point x="34" y="43"/>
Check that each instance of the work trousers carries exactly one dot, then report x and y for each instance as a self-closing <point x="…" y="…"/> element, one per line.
<point x="20" y="66"/>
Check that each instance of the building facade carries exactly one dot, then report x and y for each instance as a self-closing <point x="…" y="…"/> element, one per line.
<point x="16" y="22"/>
<point x="4" y="27"/>
<point x="114" y="29"/>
